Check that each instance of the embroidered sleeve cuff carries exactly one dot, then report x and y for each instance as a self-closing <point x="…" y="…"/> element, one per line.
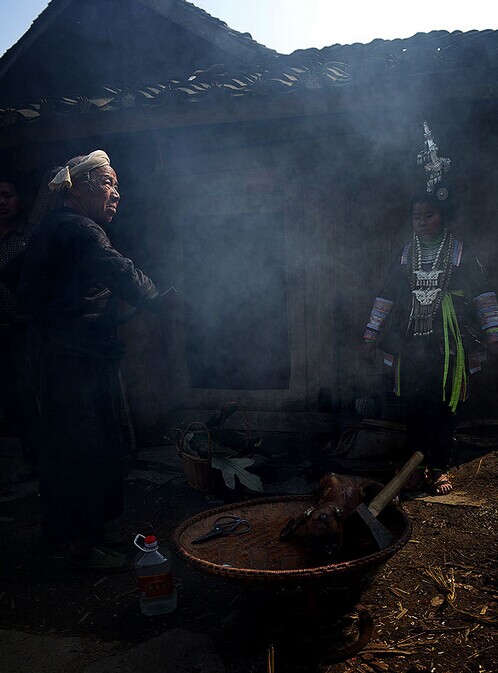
<point x="492" y="335"/>
<point x="370" y="335"/>
<point x="487" y="312"/>
<point x="378" y="316"/>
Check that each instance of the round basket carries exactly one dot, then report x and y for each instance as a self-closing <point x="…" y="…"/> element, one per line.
<point x="260" y="557"/>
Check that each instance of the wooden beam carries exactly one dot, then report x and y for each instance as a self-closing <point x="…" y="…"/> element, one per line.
<point x="261" y="421"/>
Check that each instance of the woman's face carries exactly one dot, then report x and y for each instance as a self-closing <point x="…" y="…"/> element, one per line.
<point x="427" y="222"/>
<point x="98" y="198"/>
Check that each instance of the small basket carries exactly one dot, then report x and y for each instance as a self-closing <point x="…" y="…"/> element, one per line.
<point x="198" y="471"/>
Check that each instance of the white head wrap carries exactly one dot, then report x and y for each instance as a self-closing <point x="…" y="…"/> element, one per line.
<point x="64" y="178"/>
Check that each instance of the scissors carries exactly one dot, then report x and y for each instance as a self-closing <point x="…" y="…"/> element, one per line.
<point x="226" y="525"/>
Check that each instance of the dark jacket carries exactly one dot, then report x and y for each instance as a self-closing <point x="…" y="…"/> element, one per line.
<point x="468" y="280"/>
<point x="70" y="281"/>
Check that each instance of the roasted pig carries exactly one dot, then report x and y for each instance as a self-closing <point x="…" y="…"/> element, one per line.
<point x="322" y="525"/>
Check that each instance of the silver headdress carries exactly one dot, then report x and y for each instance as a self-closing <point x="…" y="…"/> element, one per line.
<point x="435" y="166"/>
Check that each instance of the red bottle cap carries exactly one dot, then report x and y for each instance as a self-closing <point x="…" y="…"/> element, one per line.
<point x="150" y="539"/>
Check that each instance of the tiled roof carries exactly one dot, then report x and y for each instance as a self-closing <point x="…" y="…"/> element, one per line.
<point x="202" y="14"/>
<point x="203" y="85"/>
<point x="439" y="51"/>
<point x="177" y="10"/>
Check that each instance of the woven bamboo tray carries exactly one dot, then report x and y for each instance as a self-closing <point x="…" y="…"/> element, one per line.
<point x="260" y="557"/>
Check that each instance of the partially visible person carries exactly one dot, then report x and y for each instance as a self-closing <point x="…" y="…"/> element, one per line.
<point x="434" y="319"/>
<point x="17" y="395"/>
<point x="71" y="280"/>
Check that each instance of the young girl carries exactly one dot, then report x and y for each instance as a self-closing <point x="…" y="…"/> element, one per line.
<point x="432" y="319"/>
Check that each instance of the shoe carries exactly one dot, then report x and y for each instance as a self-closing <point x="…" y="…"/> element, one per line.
<point x="441" y="483"/>
<point x="101" y="560"/>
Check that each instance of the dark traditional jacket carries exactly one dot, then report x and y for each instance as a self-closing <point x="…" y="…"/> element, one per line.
<point x="71" y="278"/>
<point x="475" y="304"/>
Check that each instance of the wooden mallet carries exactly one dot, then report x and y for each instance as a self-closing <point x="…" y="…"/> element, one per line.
<point x="364" y="518"/>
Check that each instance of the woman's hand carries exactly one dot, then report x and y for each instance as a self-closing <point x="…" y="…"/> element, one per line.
<point x="369" y="351"/>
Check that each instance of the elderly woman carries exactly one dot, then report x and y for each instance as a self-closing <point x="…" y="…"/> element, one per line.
<point x="426" y="321"/>
<point x="71" y="278"/>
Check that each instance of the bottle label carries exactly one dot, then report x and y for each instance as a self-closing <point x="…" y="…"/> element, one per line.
<point x="155" y="585"/>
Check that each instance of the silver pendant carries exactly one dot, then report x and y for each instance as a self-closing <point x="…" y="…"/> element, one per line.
<point x="428" y="277"/>
<point x="426" y="297"/>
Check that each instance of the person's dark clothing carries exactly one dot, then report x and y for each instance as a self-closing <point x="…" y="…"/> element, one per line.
<point x="17" y="394"/>
<point x="71" y="280"/>
<point x="429" y="419"/>
<point x="81" y="453"/>
<point x="467" y="281"/>
<point x="430" y="424"/>
<point x="17" y="391"/>
<point x="72" y="276"/>
<point x="12" y="250"/>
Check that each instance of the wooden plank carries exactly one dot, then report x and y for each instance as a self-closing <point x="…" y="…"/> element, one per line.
<point x="260" y="421"/>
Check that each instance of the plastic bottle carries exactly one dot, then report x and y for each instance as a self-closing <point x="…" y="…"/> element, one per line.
<point x="155" y="578"/>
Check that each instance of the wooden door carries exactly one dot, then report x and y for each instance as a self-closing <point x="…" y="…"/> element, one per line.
<point x="238" y="244"/>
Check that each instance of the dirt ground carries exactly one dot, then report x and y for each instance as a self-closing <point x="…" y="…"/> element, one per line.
<point x="433" y="605"/>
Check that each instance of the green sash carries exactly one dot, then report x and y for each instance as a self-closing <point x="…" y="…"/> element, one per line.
<point x="459" y="378"/>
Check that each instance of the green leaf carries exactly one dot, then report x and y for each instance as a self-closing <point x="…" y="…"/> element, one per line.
<point x="235" y="467"/>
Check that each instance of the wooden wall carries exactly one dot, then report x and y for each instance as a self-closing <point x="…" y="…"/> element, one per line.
<point x="339" y="187"/>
